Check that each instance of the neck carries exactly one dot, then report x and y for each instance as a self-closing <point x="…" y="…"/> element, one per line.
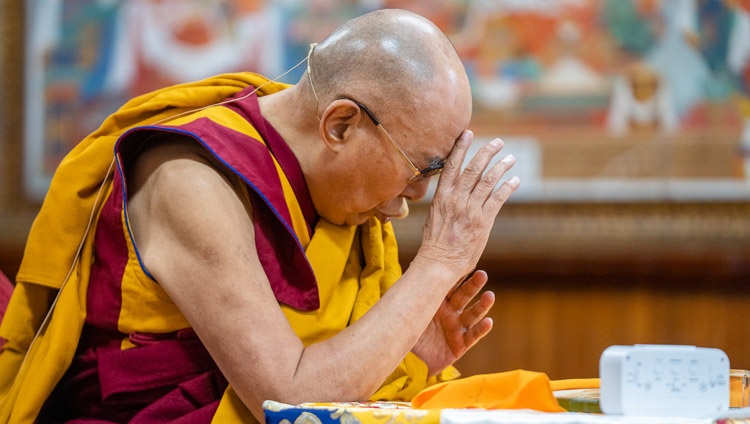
<point x="293" y="116"/>
<point x="289" y="114"/>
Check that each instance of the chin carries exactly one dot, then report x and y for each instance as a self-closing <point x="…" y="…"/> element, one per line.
<point x="357" y="219"/>
<point x="352" y="218"/>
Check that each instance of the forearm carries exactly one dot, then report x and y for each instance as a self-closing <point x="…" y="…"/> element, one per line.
<point x="353" y="364"/>
<point x="381" y="338"/>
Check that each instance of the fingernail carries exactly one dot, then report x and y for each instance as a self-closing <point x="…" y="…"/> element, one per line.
<point x="510" y="159"/>
<point x="496" y="142"/>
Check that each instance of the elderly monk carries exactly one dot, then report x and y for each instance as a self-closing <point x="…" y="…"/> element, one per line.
<point x="238" y="248"/>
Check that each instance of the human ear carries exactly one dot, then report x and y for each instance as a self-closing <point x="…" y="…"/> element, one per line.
<point x="338" y="123"/>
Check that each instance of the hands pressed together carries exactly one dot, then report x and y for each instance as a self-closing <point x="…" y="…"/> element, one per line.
<point x="455" y="235"/>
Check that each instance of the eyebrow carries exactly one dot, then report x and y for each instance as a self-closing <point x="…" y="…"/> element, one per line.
<point x="436" y="161"/>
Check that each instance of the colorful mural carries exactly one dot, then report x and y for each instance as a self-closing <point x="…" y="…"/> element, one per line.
<point x="607" y="71"/>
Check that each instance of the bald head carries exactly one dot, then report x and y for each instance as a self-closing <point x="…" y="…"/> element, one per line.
<point x="387" y="53"/>
<point x="401" y="71"/>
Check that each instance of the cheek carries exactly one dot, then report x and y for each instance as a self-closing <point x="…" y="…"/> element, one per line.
<point x="368" y="179"/>
<point x="369" y="192"/>
<point x="380" y="178"/>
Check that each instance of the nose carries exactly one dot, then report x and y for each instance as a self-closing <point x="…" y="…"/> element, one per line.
<point x="416" y="191"/>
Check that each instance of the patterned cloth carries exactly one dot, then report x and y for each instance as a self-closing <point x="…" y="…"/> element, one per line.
<point x="348" y="413"/>
<point x="400" y="412"/>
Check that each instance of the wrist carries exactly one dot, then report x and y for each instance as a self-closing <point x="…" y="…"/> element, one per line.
<point x="435" y="268"/>
<point x="438" y="261"/>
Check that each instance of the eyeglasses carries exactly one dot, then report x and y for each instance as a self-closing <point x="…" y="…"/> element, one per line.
<point x="419" y="174"/>
<point x="434" y="168"/>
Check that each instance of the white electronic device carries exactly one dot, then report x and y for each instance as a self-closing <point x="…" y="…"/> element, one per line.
<point x="664" y="380"/>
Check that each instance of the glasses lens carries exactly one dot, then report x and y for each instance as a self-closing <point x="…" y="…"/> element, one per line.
<point x="425" y="175"/>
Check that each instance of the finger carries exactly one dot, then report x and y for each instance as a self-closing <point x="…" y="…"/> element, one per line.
<point x="492" y="177"/>
<point x="501" y="195"/>
<point x="452" y="168"/>
<point x="473" y="314"/>
<point x="478" y="164"/>
<point x="477" y="332"/>
<point x="467" y="290"/>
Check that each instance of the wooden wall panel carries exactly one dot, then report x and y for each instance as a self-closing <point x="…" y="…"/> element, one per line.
<point x="16" y="211"/>
<point x="563" y="330"/>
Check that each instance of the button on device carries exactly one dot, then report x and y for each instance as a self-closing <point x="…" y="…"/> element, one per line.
<point x="694" y="369"/>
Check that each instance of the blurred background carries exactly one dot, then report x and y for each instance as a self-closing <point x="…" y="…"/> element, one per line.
<point x="630" y="120"/>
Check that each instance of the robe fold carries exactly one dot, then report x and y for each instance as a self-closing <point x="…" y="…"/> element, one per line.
<point x="114" y="342"/>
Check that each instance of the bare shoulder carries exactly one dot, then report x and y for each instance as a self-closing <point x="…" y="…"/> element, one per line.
<point x="168" y="159"/>
<point x="181" y="200"/>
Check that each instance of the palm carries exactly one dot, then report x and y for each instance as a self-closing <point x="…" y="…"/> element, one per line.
<point x="456" y="327"/>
